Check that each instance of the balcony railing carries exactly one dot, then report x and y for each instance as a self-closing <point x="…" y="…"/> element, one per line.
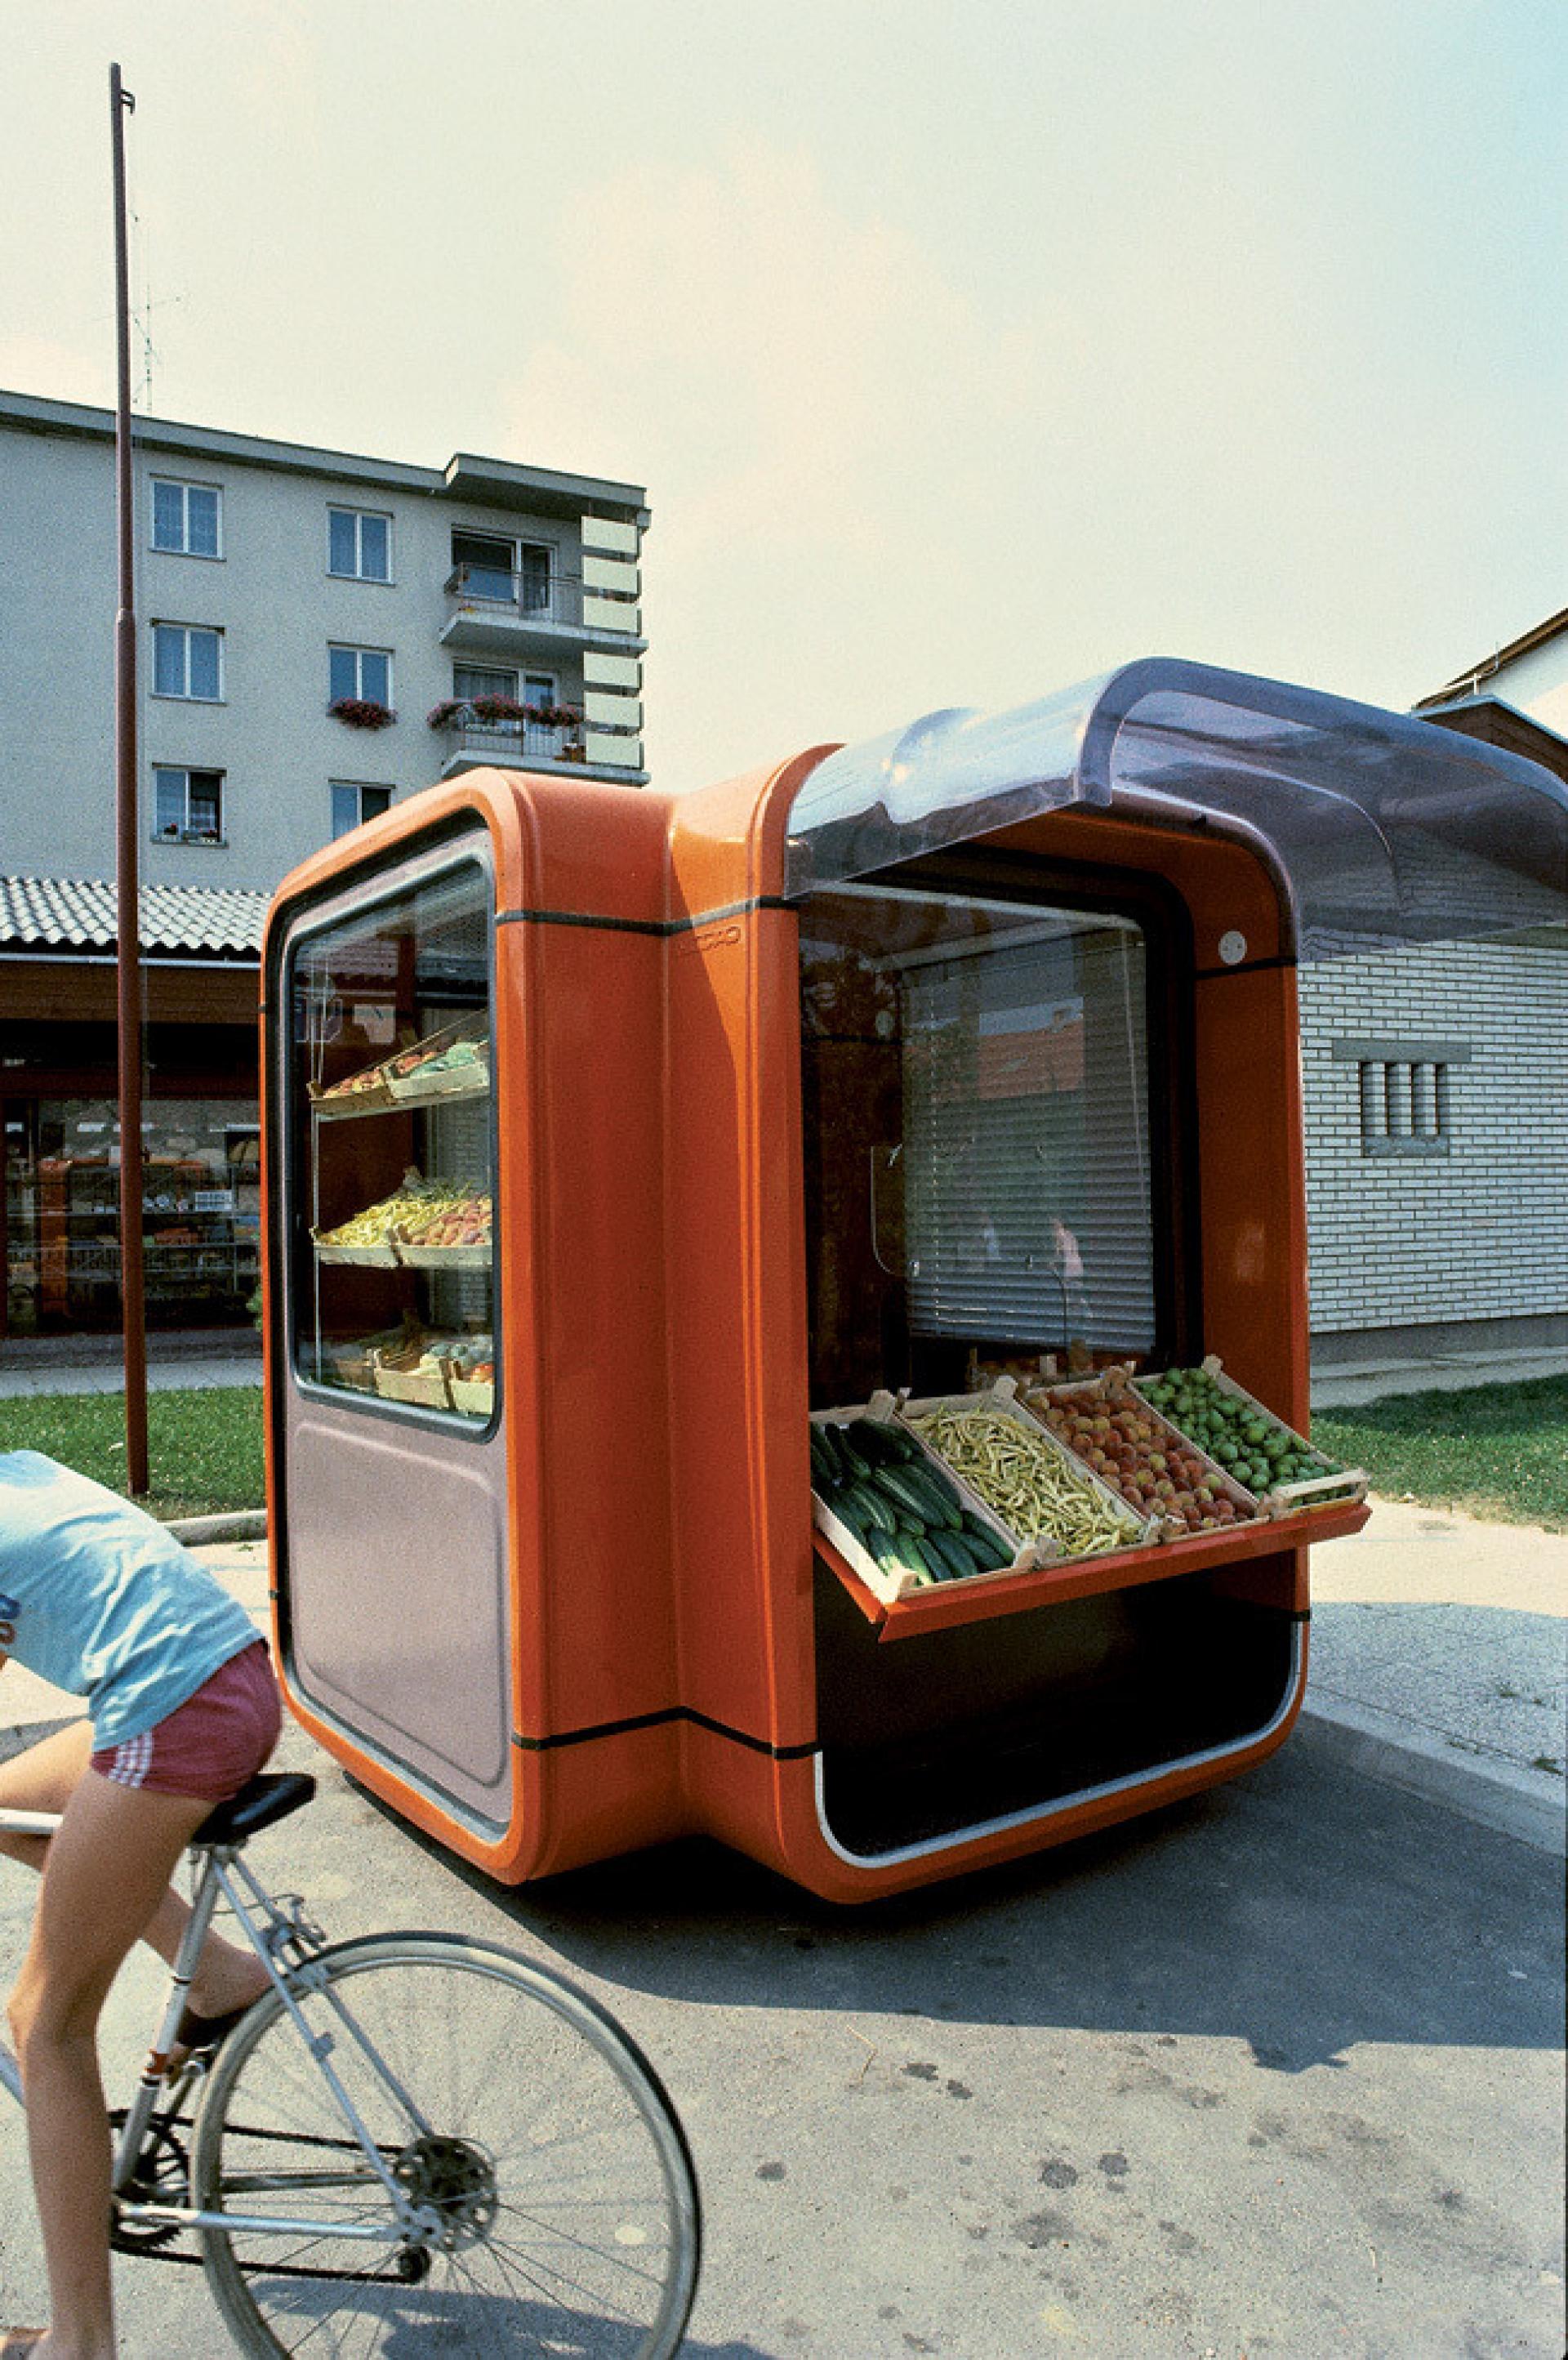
<point x="531" y="598"/>
<point x="534" y="597"/>
<point x="536" y="741"/>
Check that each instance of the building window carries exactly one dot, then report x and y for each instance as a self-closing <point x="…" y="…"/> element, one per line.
<point x="1405" y="1093"/>
<point x="187" y="660"/>
<point x="359" y="544"/>
<point x="363" y="672"/>
<point x="469" y="680"/>
<point x="508" y="573"/>
<point x="187" y="518"/>
<point x="353" y="804"/>
<point x="188" y="806"/>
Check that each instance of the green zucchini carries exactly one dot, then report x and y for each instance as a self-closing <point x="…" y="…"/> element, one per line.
<point x="987" y="1548"/>
<point x="945" y="1505"/>
<point x="824" y="1463"/>
<point x="912" y="1553"/>
<point x="874" y="1441"/>
<point x="824" y="1446"/>
<point x="873" y="1506"/>
<point x="890" y="1442"/>
<point x="856" y="1466"/>
<point x="853" y="1521"/>
<point x="912" y="1498"/>
<point x="957" y="1562"/>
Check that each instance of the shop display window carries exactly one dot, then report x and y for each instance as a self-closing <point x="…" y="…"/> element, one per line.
<point x="392" y="1174"/>
<point x="200" y="1206"/>
<point x="980" y="1158"/>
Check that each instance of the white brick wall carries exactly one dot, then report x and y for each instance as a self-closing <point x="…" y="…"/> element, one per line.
<point x="1480" y="1233"/>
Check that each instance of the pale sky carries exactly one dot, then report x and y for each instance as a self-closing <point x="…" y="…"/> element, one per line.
<point x="964" y="350"/>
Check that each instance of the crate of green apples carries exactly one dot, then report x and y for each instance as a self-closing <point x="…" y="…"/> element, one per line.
<point x="1256" y="1450"/>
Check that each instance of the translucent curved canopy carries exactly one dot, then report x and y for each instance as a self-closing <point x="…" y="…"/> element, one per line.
<point x="1383" y="829"/>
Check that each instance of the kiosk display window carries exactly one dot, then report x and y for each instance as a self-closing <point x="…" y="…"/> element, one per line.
<point x="393" y="1181"/>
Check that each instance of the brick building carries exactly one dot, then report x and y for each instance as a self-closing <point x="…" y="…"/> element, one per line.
<point x="1436" y="1102"/>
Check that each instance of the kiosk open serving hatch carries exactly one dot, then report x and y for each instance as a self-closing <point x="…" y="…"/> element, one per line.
<point x="785" y="1306"/>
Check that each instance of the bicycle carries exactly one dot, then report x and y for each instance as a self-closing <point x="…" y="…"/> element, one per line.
<point x="488" y="2165"/>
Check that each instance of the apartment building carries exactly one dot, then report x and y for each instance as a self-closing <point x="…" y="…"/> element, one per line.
<point x="319" y="635"/>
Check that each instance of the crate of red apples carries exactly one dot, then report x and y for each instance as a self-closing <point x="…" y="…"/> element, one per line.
<point x="1145" y="1459"/>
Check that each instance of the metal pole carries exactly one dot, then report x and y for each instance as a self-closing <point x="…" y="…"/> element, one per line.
<point x="132" y="1283"/>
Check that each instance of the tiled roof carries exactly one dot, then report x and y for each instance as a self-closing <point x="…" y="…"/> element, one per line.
<point x="77" y="913"/>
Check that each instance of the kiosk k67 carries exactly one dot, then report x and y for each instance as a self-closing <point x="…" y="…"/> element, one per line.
<point x="942" y="1092"/>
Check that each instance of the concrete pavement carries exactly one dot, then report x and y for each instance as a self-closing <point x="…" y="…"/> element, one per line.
<point x="1376" y="1375"/>
<point x="185" y="1360"/>
<point x="1438" y="1655"/>
<point x="1272" y="2076"/>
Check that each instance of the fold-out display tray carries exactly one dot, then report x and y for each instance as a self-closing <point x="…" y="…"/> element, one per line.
<point x="950" y="1603"/>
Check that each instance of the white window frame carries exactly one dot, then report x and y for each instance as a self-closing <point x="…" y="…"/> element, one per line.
<point x="359" y="789"/>
<point x="187" y="695"/>
<point x="383" y="516"/>
<point x="353" y="648"/>
<point x="185" y="486"/>
<point x="187" y="834"/>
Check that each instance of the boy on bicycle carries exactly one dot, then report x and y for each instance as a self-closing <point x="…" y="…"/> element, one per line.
<point x="183" y="1710"/>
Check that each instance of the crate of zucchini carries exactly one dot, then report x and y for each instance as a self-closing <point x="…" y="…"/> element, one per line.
<point x="896" y="1517"/>
<point x="962" y="1488"/>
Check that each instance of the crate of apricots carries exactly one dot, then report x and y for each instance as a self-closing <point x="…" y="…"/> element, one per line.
<point x="1145" y="1459"/>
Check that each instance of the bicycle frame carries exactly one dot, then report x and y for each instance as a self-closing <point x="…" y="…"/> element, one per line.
<point x="289" y="1948"/>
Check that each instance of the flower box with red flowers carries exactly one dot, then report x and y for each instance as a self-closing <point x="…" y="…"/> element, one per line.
<point x="362" y="711"/>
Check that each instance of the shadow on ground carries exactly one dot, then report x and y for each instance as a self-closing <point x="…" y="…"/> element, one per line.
<point x="1304" y="1908"/>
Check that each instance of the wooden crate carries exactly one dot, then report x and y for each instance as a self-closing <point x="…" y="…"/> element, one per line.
<point x="1139" y="1529"/>
<point x="1331" y="1490"/>
<point x="1106" y="1387"/>
<point x="890" y="1588"/>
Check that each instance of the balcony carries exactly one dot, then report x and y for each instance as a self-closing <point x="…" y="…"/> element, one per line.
<point x="497" y="613"/>
<point x="475" y="740"/>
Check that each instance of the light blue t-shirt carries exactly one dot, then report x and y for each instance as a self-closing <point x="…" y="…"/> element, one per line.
<point x="101" y="1600"/>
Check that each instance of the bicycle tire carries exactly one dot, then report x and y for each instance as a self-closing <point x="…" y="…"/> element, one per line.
<point x="601" y="2261"/>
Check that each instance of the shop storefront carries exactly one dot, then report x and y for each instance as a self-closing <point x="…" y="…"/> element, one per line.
<point x="60" y="1132"/>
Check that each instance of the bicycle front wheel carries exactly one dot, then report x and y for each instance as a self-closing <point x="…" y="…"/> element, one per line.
<point x="558" y="2205"/>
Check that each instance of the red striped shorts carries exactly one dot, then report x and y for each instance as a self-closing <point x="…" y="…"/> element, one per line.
<point x="212" y="1743"/>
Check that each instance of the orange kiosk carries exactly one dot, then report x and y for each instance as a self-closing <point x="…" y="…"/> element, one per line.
<point x="614" y="1138"/>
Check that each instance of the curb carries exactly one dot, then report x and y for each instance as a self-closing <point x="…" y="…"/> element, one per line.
<point x="1516" y="1802"/>
<point x="245" y="1524"/>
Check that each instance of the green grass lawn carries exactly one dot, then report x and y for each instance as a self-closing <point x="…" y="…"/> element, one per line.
<point x="203" y="1447"/>
<point x="1499" y="1452"/>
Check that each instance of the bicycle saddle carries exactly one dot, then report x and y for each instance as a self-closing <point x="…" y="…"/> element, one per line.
<point x="261" y="1803"/>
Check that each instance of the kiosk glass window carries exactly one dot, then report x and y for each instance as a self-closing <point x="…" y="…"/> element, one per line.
<point x="979" y="1174"/>
<point x="393" y="1168"/>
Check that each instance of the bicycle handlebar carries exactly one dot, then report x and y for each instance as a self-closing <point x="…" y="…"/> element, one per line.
<point x="28" y="1823"/>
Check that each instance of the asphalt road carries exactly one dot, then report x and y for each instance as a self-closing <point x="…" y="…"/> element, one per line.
<point x="1278" y="2073"/>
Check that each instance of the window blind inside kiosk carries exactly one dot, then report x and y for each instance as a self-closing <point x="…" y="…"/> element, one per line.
<point x="977" y="1136"/>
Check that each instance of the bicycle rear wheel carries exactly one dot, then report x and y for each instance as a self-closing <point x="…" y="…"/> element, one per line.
<point x="508" y="2103"/>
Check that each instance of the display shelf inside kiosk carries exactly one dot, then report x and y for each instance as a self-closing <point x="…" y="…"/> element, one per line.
<point x="394" y="1179"/>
